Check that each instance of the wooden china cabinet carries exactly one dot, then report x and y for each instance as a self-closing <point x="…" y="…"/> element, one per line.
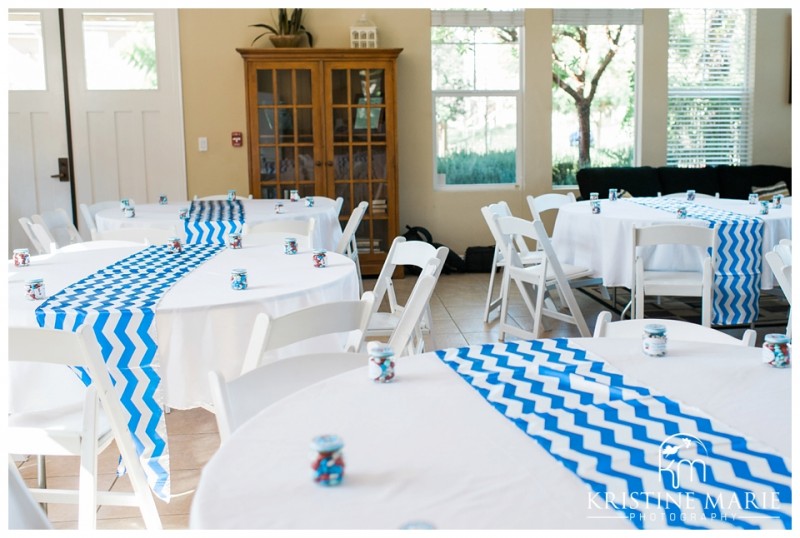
<point x="324" y="122"/>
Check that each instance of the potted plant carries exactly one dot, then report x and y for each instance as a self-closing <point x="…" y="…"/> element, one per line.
<point x="287" y="31"/>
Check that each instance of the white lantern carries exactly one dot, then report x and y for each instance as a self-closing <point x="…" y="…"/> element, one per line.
<point x="364" y="35"/>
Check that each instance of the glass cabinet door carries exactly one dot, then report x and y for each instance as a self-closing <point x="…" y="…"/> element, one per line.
<point x="359" y="150"/>
<point x="286" y="130"/>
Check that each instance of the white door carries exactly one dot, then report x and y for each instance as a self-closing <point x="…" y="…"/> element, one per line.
<point x="124" y="105"/>
<point x="37" y="127"/>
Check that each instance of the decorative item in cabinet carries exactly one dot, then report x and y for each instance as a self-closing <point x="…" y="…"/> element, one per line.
<point x="324" y="122"/>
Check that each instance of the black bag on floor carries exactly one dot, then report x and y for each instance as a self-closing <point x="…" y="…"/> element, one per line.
<point x="452" y="264"/>
<point x="479" y="259"/>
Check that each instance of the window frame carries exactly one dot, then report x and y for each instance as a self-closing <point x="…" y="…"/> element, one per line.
<point x="486" y="19"/>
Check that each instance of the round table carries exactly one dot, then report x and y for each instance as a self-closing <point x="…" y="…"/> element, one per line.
<point x="202" y="324"/>
<point x="428" y="447"/>
<point x="604" y="242"/>
<point x="327" y="232"/>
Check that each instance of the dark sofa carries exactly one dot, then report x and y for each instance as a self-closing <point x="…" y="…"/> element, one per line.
<point x="728" y="181"/>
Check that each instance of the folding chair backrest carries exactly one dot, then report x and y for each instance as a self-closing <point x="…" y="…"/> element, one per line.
<point x="39" y="238"/>
<point x="546" y="202"/>
<point x="676" y="234"/>
<point x="543" y="203"/>
<point x="274" y="232"/>
<point x="501" y="209"/>
<point x="89" y="213"/>
<point x="407" y="337"/>
<point x="676" y="330"/>
<point x="784" y="250"/>
<point x="148" y="236"/>
<point x="237" y="400"/>
<point x="272" y="333"/>
<point x="782" y="272"/>
<point x="217" y="197"/>
<point x="59" y="226"/>
<point x="347" y="243"/>
<point x="404" y="252"/>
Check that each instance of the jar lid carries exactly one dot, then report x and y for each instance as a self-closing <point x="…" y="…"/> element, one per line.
<point x="327" y="443"/>
<point x="379" y="349"/>
<point x="655" y="328"/>
<point x="320" y="251"/>
<point x="291" y="239"/>
<point x="34" y="280"/>
<point x="20" y="250"/>
<point x="239" y="271"/>
<point x="776" y="338"/>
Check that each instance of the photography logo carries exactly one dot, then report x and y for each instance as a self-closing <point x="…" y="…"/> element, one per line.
<point x="681" y="459"/>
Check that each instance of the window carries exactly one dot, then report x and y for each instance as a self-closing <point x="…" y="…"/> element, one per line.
<point x="594" y="90"/>
<point x="120" y="51"/>
<point x="477" y="97"/>
<point x="710" y="86"/>
<point x="26" y="69"/>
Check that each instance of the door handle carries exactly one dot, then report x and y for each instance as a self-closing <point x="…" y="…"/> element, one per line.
<point x="63" y="169"/>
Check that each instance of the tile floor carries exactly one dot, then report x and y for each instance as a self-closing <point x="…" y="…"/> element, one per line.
<point x="457" y="310"/>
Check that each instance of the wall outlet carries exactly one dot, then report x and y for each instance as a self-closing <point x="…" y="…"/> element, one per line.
<point x="202" y="143"/>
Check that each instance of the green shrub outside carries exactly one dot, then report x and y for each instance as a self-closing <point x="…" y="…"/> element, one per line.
<point x="468" y="168"/>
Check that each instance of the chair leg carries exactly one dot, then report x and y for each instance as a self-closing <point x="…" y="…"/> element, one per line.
<point x="41" y="477"/>
<point x="503" y="305"/>
<point x="789" y="326"/>
<point x="491" y="304"/>
<point x="537" y="318"/>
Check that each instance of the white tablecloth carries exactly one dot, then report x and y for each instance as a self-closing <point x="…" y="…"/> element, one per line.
<point x="429" y="447"/>
<point x="604" y="242"/>
<point x="202" y="324"/>
<point x="327" y="233"/>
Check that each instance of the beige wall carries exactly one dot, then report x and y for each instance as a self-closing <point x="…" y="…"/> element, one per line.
<point x="213" y="91"/>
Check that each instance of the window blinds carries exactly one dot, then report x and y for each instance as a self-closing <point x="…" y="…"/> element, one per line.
<point x="710" y="87"/>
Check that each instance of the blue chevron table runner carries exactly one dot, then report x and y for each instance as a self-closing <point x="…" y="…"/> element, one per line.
<point x="737" y="276"/>
<point x="119" y="302"/>
<point x="209" y="221"/>
<point x="656" y="461"/>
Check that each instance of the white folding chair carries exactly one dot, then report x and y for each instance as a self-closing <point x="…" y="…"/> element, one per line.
<point x="338" y="207"/>
<point x="262" y="382"/>
<point x="83" y="429"/>
<point x="58" y="226"/>
<point x="148" y="236"/>
<point x="237" y="400"/>
<point x="698" y="283"/>
<point x="539" y="276"/>
<point x="683" y="195"/>
<point x="548" y="202"/>
<point x="274" y="232"/>
<point x="39" y="238"/>
<point x="99" y="244"/>
<point x="348" y="244"/>
<point x="783" y="274"/>
<point x="89" y="213"/>
<point x="401" y="253"/>
<point x="527" y="256"/>
<point x="676" y="329"/>
<point x="217" y="197"/>
<point x="407" y="338"/>
<point x="23" y="511"/>
<point x="540" y="205"/>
